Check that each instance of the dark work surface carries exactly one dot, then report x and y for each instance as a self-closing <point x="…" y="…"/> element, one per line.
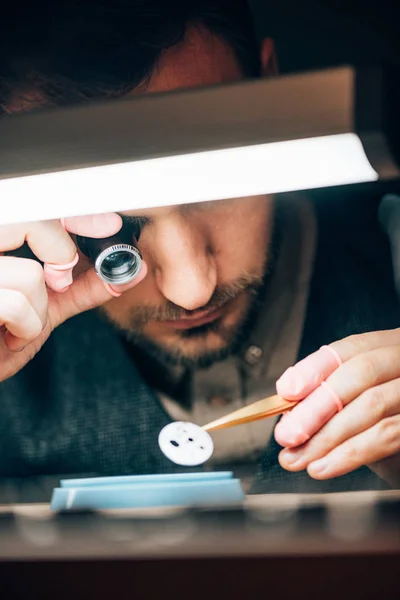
<point x="297" y="546"/>
<point x="322" y="578"/>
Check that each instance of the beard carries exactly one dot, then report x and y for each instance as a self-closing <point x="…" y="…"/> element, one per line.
<point x="192" y="348"/>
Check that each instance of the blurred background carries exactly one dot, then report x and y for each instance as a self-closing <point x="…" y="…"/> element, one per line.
<point x="313" y="34"/>
<point x="318" y="34"/>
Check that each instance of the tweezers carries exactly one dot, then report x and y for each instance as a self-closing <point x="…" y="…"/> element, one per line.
<point x="261" y="409"/>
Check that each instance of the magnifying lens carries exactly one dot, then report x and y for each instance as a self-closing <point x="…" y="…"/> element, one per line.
<point x="116" y="259"/>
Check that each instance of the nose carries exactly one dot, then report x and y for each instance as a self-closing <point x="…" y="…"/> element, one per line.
<point x="186" y="272"/>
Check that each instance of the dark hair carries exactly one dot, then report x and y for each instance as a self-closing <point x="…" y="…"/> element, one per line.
<point x="91" y="49"/>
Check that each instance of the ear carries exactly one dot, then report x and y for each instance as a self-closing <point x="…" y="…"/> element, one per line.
<point x="269" y="62"/>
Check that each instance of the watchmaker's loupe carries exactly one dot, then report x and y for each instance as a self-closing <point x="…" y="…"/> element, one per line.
<point x="116" y="259"/>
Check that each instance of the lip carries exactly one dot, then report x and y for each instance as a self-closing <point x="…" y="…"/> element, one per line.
<point x="202" y="319"/>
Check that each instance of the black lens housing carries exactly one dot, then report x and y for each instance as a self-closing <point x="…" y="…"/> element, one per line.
<point x="117" y="259"/>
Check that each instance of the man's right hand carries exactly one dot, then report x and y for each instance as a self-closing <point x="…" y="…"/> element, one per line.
<point x="33" y="300"/>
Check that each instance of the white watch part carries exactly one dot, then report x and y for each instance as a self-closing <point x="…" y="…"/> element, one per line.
<point x="185" y="444"/>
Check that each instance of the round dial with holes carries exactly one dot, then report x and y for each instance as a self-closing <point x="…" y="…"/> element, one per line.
<point x="185" y="444"/>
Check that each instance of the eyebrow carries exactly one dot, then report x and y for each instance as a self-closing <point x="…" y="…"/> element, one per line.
<point x="136" y="219"/>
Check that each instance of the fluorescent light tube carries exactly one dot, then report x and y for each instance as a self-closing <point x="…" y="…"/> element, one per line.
<point x="297" y="132"/>
<point x="197" y="177"/>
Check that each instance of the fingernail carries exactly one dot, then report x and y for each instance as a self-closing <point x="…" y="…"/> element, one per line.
<point x="63" y="283"/>
<point x="111" y="290"/>
<point x="59" y="277"/>
<point x="290" y="384"/>
<point x="293" y="458"/>
<point x="10" y="340"/>
<point x="290" y="433"/>
<point x="319" y="467"/>
<point x="57" y="280"/>
<point x="17" y="349"/>
<point x="62" y="290"/>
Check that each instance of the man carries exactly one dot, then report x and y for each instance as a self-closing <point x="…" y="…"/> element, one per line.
<point x="232" y="293"/>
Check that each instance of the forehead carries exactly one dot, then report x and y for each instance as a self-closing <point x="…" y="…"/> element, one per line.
<point x="202" y="58"/>
<point x="168" y="211"/>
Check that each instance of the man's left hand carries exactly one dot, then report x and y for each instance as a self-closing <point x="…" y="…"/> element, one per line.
<point x="349" y="414"/>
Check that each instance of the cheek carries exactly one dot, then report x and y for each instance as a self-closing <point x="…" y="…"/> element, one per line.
<point x="145" y="293"/>
<point x="240" y="238"/>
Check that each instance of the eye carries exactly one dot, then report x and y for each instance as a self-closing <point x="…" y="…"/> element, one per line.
<point x="136" y="224"/>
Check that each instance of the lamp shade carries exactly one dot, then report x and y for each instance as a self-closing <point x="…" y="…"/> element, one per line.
<point x="286" y="133"/>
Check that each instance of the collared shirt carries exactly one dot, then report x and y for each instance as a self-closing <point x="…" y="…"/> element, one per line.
<point x="270" y="349"/>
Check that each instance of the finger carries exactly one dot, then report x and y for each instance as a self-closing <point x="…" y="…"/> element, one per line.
<point x="19" y="317"/>
<point x="357" y="344"/>
<point x="371" y="407"/>
<point x="299" y="381"/>
<point x="373" y="445"/>
<point x="95" y="226"/>
<point x="49" y="242"/>
<point x="59" y="277"/>
<point x="25" y="276"/>
<point x="355" y="376"/>
<point x="87" y="292"/>
<point x="53" y="246"/>
<point x="47" y="239"/>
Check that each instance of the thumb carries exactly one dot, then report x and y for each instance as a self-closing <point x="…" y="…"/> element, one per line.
<point x="88" y="291"/>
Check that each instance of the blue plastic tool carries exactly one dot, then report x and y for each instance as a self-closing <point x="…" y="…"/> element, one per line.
<point x="142" y="491"/>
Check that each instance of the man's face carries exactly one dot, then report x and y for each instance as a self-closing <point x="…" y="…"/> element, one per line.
<point x="205" y="261"/>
